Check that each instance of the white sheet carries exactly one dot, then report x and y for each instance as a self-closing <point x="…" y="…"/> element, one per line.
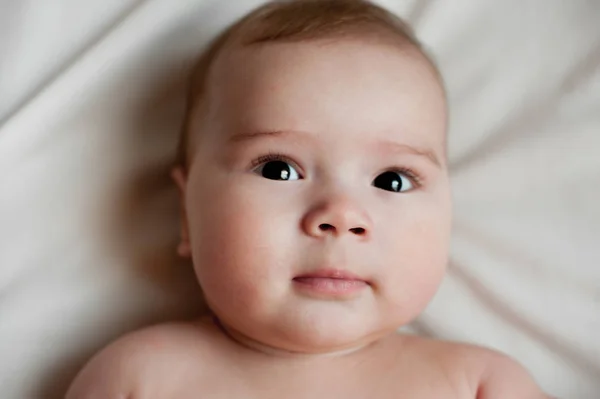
<point x="90" y="99"/>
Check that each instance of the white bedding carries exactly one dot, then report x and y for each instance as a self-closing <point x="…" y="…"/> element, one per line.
<point x="90" y="100"/>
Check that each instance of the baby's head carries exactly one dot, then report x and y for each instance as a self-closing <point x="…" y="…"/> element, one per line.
<point x="312" y="171"/>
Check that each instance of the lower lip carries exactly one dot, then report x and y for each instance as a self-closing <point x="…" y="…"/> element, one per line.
<point x="333" y="287"/>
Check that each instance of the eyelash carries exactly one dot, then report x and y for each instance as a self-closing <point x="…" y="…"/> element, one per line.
<point x="410" y="173"/>
<point x="270" y="158"/>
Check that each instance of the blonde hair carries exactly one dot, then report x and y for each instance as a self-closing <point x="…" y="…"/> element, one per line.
<point x="293" y="21"/>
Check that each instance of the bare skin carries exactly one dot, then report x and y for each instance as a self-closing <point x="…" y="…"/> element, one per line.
<point x="199" y="360"/>
<point x="317" y="214"/>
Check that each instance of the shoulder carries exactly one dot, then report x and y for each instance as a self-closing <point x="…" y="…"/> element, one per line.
<point x="501" y="376"/>
<point x="126" y="366"/>
<point x="485" y="373"/>
<point x="492" y="374"/>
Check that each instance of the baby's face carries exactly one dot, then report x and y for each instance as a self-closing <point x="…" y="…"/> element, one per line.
<point x="318" y="202"/>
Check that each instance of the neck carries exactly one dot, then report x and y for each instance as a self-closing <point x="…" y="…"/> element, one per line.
<point x="266" y="349"/>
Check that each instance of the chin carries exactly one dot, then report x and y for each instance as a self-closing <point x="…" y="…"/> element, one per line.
<point x="327" y="334"/>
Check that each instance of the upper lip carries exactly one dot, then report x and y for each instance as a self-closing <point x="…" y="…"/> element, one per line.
<point x="331" y="273"/>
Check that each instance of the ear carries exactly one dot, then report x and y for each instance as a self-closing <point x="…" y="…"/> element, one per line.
<point x="179" y="176"/>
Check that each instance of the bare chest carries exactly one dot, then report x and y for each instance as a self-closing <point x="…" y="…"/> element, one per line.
<point x="375" y="384"/>
<point x="233" y="391"/>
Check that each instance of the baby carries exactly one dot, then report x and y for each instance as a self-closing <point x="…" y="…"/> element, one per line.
<point x="316" y="209"/>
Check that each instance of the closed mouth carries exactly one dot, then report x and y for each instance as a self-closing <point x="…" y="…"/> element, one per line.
<point x="334" y="274"/>
<point x="330" y="283"/>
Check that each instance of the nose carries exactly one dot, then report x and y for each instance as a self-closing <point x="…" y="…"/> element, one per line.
<point x="336" y="217"/>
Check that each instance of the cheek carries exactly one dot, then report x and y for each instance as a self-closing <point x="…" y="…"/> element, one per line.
<point x="224" y="231"/>
<point x="418" y="250"/>
<point x="237" y="240"/>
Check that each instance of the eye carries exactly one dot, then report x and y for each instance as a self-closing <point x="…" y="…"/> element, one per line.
<point x="393" y="181"/>
<point x="277" y="170"/>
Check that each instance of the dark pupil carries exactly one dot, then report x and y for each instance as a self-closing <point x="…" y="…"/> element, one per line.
<point x="388" y="181"/>
<point x="276" y="170"/>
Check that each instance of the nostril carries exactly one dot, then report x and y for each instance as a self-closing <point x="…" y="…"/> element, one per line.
<point x="326" y="227"/>
<point x="358" y="231"/>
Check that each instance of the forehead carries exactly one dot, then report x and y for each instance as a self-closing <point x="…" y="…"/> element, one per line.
<point x="349" y="88"/>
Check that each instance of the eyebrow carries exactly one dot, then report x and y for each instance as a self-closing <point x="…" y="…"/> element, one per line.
<point x="391" y="146"/>
<point x="404" y="148"/>
<point x="240" y="137"/>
